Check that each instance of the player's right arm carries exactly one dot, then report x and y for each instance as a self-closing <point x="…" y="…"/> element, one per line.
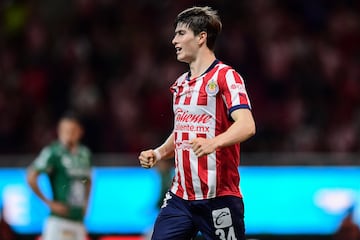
<point x="32" y="179"/>
<point x="41" y="164"/>
<point x="148" y="158"/>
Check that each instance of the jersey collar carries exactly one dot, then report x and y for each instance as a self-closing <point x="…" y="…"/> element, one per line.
<point x="216" y="61"/>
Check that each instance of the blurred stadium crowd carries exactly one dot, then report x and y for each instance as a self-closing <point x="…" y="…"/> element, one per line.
<point x="113" y="62"/>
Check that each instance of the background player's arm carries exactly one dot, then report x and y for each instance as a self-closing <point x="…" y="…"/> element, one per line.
<point x="149" y="157"/>
<point x="88" y="184"/>
<point x="32" y="179"/>
<point x="242" y="129"/>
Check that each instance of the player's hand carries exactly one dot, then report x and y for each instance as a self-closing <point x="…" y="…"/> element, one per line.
<point x="147" y="158"/>
<point x="202" y="146"/>
<point x="59" y="208"/>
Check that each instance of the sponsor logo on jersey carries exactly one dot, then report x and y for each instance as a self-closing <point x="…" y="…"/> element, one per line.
<point x="79" y="172"/>
<point x="185" y="116"/>
<point x="183" y="145"/>
<point x="238" y="86"/>
<point x="192" y="128"/>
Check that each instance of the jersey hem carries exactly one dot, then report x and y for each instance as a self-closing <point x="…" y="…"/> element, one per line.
<point x="235" y="194"/>
<point x="79" y="220"/>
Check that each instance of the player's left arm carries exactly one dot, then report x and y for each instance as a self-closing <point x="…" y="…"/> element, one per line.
<point x="242" y="129"/>
<point x="88" y="184"/>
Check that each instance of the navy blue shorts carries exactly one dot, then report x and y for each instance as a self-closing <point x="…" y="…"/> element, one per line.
<point x="218" y="218"/>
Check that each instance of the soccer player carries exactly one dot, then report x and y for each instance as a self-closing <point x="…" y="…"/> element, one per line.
<point x="212" y="117"/>
<point x="68" y="165"/>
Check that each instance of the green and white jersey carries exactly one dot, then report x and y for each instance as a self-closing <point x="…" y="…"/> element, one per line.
<point x="68" y="174"/>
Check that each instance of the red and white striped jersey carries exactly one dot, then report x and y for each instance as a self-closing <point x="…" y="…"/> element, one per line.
<point x="202" y="108"/>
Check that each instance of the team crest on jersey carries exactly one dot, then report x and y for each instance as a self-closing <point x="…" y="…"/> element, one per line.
<point x="212" y="88"/>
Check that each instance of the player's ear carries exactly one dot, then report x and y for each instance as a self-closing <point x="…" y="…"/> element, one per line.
<point x="81" y="131"/>
<point x="59" y="126"/>
<point x="202" y="37"/>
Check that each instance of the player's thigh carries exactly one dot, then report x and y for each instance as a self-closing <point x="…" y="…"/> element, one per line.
<point x="174" y="221"/>
<point x="222" y="218"/>
<point x="53" y="229"/>
<point x="59" y="229"/>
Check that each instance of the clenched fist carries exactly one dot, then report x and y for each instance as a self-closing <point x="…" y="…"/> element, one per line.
<point x="147" y="158"/>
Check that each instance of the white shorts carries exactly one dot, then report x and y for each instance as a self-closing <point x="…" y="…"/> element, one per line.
<point x="56" y="228"/>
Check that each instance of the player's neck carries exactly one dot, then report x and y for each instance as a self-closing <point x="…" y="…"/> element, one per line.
<point x="72" y="148"/>
<point x="201" y="63"/>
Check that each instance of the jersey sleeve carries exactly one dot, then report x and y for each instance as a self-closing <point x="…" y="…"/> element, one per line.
<point x="87" y="154"/>
<point x="43" y="162"/>
<point x="233" y="91"/>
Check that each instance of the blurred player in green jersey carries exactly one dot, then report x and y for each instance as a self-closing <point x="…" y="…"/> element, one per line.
<point x="68" y="165"/>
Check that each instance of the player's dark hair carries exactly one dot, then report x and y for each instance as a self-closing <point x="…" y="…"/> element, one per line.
<point x="72" y="116"/>
<point x="201" y="19"/>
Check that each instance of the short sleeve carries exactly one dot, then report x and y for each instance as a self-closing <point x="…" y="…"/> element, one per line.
<point x="234" y="92"/>
<point x="43" y="162"/>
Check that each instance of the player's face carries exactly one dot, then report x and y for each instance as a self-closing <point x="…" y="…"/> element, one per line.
<point x="69" y="132"/>
<point x="186" y="43"/>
